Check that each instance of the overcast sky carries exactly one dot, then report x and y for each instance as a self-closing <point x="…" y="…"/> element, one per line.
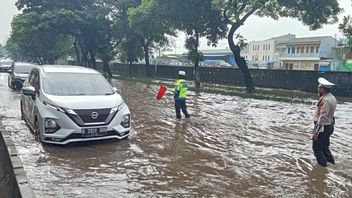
<point x="255" y="28"/>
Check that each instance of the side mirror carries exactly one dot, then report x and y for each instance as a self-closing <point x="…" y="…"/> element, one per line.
<point x="28" y="91"/>
<point x="116" y="90"/>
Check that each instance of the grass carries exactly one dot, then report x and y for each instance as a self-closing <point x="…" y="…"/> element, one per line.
<point x="260" y="93"/>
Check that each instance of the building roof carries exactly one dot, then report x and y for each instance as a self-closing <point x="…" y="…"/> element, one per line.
<point x="216" y="51"/>
<point x="306" y="40"/>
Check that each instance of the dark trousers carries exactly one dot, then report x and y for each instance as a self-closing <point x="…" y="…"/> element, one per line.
<point x="321" y="147"/>
<point x="181" y="105"/>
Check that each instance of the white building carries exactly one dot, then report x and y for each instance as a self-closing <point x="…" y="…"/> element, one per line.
<point x="264" y="54"/>
<point x="311" y="53"/>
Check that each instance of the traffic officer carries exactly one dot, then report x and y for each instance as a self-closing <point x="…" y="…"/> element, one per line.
<point x="324" y="123"/>
<point x="180" y="95"/>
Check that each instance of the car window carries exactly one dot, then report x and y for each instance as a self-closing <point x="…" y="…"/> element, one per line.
<point x="34" y="79"/>
<point x="6" y="62"/>
<point x="31" y="77"/>
<point x="70" y="84"/>
<point x="23" y="69"/>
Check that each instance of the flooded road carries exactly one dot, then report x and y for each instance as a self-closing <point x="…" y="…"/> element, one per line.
<point x="230" y="147"/>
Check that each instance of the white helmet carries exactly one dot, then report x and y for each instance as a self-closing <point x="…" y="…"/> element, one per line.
<point x="325" y="83"/>
<point x="182" y="73"/>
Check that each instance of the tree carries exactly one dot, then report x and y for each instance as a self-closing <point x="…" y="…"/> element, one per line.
<point x="130" y="49"/>
<point x="149" y="22"/>
<point x="48" y="25"/>
<point x="346" y="28"/>
<point x="236" y="12"/>
<point x="34" y="41"/>
<point x="197" y="18"/>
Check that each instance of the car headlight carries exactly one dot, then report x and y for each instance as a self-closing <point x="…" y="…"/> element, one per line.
<point x="51" y="125"/>
<point x="121" y="106"/>
<point x="51" y="106"/>
<point x="126" y="121"/>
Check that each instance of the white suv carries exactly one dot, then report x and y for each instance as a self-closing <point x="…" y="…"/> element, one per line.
<point x="64" y="104"/>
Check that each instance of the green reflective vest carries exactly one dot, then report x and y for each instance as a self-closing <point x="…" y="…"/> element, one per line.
<point x="181" y="89"/>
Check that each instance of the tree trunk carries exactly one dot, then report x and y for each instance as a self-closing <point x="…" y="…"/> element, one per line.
<point x="242" y="64"/>
<point x="196" y="64"/>
<point x="78" y="58"/>
<point x="106" y="68"/>
<point x="146" y="57"/>
<point x="51" y="60"/>
<point x="130" y="68"/>
<point x="94" y="61"/>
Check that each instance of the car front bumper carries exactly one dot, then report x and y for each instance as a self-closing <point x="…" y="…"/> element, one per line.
<point x="70" y="132"/>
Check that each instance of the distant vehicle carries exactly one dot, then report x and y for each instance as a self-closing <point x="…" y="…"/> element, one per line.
<point x="64" y="104"/>
<point x="5" y="65"/>
<point x="18" y="74"/>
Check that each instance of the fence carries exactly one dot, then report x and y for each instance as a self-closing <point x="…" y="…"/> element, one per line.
<point x="280" y="79"/>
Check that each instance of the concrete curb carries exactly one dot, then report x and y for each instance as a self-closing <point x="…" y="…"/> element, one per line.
<point x="18" y="170"/>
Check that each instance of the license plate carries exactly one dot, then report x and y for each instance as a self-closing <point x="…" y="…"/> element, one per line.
<point x="94" y="132"/>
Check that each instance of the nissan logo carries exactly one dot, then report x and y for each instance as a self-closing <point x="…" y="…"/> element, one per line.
<point x="94" y="115"/>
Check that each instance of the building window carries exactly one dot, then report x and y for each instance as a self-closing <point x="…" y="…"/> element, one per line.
<point x="269" y="47"/>
<point x="293" y="50"/>
<point x="317" y="49"/>
<point x="316" y="67"/>
<point x="307" y="50"/>
<point x="268" y="58"/>
<point x="312" y="50"/>
<point x="291" y="66"/>
<point x="302" y="50"/>
<point x="289" y="50"/>
<point x="297" y="50"/>
<point x="264" y="47"/>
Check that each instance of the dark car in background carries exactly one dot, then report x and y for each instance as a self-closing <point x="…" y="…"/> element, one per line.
<point x="18" y="74"/>
<point x="5" y="65"/>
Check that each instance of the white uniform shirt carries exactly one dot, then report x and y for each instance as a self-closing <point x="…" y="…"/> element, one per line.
<point x="324" y="114"/>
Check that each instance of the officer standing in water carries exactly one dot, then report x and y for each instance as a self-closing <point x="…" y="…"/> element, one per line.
<point x="180" y="95"/>
<point x="324" y="123"/>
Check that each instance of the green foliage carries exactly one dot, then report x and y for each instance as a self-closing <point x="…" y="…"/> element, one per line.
<point x="192" y="46"/>
<point x="150" y="23"/>
<point x="312" y="13"/>
<point x="197" y="17"/>
<point x="34" y="41"/>
<point x="346" y="28"/>
<point x="130" y="49"/>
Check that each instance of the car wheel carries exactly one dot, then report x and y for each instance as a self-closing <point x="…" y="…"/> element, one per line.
<point x="22" y="115"/>
<point x="15" y="86"/>
<point x="36" y="130"/>
<point x="9" y="83"/>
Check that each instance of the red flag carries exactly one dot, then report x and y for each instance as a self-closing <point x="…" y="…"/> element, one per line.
<point x="161" y="92"/>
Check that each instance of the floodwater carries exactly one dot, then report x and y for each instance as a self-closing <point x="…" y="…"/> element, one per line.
<point x="230" y="147"/>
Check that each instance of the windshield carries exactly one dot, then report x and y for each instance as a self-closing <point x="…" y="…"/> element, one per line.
<point x="72" y="84"/>
<point x="23" y="69"/>
<point x="6" y="62"/>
